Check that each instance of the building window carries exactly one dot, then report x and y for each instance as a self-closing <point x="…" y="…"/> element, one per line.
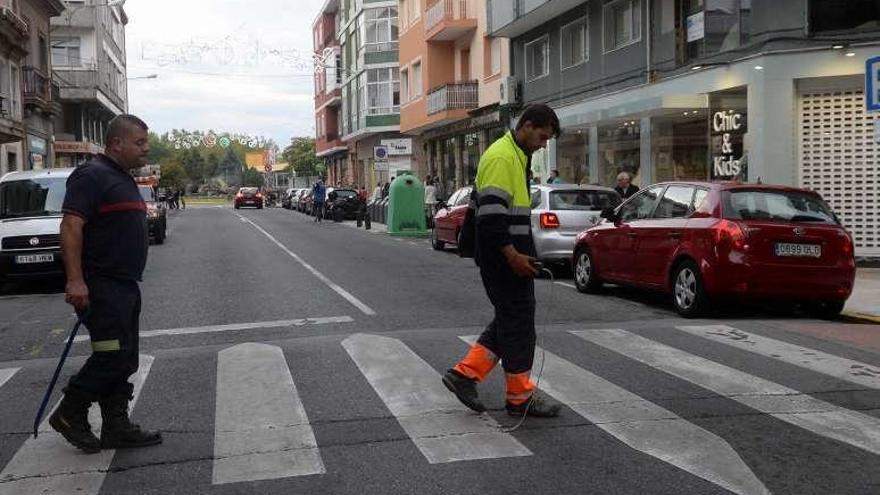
<point x="537" y="58"/>
<point x="66" y="52"/>
<point x="417" y="79"/>
<point x="404" y="85"/>
<point x="622" y="21"/>
<point x="574" y="42"/>
<point x="415" y="10"/>
<point x="844" y="15"/>
<point x="712" y="26"/>
<point x="383" y="91"/>
<point x="495" y="56"/>
<point x="15" y="91"/>
<point x="380" y="29"/>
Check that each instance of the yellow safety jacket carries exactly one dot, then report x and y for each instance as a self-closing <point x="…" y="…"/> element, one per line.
<point x="503" y="209"/>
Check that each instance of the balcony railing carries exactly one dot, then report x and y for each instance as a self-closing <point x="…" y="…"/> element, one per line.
<point x="462" y="95"/>
<point x="12" y="19"/>
<point x="36" y="84"/>
<point x="449" y="10"/>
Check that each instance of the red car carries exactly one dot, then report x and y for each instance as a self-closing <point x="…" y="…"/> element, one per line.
<point x="713" y="241"/>
<point x="249" y="196"/>
<point x="449" y="218"/>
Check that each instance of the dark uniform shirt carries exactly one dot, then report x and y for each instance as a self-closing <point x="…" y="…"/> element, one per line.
<point x="115" y="234"/>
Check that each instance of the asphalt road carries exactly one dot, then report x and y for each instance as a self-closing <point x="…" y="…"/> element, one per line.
<point x="281" y="356"/>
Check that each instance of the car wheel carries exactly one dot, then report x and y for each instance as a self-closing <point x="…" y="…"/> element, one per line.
<point x="585" y="278"/>
<point x="237" y="207"/>
<point x="688" y="293"/>
<point x="828" y="310"/>
<point x="435" y="242"/>
<point x="160" y="235"/>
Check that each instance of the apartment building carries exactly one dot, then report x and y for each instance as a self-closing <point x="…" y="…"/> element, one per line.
<point x="28" y="103"/>
<point x="328" y="98"/>
<point x="89" y="63"/>
<point x="451" y="77"/>
<point x="706" y="89"/>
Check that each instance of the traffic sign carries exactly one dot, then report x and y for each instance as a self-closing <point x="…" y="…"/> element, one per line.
<point x="872" y="84"/>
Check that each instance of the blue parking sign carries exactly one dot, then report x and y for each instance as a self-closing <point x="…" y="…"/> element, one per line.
<point x="872" y="84"/>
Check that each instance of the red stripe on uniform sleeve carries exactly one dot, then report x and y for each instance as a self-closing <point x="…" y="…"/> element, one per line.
<point x="122" y="206"/>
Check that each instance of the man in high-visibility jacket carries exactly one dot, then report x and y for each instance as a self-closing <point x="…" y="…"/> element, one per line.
<point x="504" y="251"/>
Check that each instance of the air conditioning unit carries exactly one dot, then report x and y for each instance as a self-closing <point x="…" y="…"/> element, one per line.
<point x="509" y="91"/>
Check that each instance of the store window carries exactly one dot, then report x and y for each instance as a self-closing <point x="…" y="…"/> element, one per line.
<point x="380" y="29"/>
<point x="537" y="54"/>
<point x="714" y="26"/>
<point x="574" y="43"/>
<point x="619" y="151"/>
<point x="844" y="15"/>
<point x="680" y="146"/>
<point x="571" y="156"/>
<point x="622" y="23"/>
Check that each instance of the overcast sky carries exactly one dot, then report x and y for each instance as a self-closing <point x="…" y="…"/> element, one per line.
<point x="229" y="65"/>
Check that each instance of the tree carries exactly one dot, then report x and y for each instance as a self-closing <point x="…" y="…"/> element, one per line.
<point x="173" y="175"/>
<point x="194" y="165"/>
<point x="252" y="178"/>
<point x="300" y="156"/>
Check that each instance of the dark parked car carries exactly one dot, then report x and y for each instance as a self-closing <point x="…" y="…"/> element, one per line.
<point x="287" y="198"/>
<point x="157" y="213"/>
<point x="249" y="196"/>
<point x="345" y="204"/>
<point x="701" y="242"/>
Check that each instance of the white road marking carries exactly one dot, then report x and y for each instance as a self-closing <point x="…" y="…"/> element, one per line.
<point x="440" y="426"/>
<point x="50" y="465"/>
<point x="261" y="430"/>
<point x="6" y="374"/>
<point x="645" y="426"/>
<point x="845" y="369"/>
<point x="299" y="322"/>
<point x="783" y="403"/>
<point x="566" y="284"/>
<point x="329" y="283"/>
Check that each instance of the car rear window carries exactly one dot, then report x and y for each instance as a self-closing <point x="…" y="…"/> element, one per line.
<point x="776" y="206"/>
<point x="248" y="190"/>
<point x="583" y="200"/>
<point x="345" y="193"/>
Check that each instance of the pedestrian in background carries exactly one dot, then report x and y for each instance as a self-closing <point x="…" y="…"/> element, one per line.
<point x="182" y="196"/>
<point x="554" y="177"/>
<point x="625" y="187"/>
<point x="505" y="251"/>
<point x="319" y="192"/>
<point x="104" y="239"/>
<point x="377" y="192"/>
<point x="430" y="200"/>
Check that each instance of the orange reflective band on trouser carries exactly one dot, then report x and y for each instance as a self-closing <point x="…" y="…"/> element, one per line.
<point x="519" y="387"/>
<point x="477" y="364"/>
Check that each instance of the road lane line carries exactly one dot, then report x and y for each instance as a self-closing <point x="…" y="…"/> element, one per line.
<point x="329" y="283"/>
<point x="856" y="372"/>
<point x="299" y="322"/>
<point x="566" y="284"/>
<point x="786" y="404"/>
<point x="439" y="425"/>
<point x="645" y="426"/>
<point x="48" y="464"/>
<point x="261" y="430"/>
<point x="6" y="374"/>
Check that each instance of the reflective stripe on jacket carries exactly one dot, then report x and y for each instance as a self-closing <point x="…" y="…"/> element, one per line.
<point x="503" y="201"/>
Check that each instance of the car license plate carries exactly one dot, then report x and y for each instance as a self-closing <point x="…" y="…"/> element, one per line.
<point x="805" y="250"/>
<point x="35" y="258"/>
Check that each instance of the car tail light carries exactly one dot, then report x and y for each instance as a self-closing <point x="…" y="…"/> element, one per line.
<point x="731" y="234"/>
<point x="846" y="247"/>
<point x="549" y="220"/>
<point x="259" y="195"/>
<point x="239" y="195"/>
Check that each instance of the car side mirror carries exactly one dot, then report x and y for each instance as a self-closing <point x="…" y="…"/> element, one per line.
<point x="441" y="205"/>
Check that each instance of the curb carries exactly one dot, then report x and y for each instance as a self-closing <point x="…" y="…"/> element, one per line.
<point x="851" y="317"/>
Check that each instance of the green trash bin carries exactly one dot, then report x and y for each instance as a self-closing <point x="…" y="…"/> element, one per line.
<point x="406" y="208"/>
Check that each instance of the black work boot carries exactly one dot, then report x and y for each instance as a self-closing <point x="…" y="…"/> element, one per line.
<point x="117" y="430"/>
<point x="71" y="420"/>
<point x="464" y="389"/>
<point x="538" y="406"/>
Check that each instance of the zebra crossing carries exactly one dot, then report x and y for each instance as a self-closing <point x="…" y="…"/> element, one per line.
<point x="262" y="429"/>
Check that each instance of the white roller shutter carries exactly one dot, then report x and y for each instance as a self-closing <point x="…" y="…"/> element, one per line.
<point x="839" y="159"/>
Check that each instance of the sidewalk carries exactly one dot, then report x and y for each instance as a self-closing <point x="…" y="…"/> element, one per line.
<point x="864" y="302"/>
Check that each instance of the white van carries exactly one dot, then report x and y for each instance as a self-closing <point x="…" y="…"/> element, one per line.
<point x="30" y="223"/>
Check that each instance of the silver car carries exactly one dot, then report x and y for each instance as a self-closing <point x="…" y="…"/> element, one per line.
<point x="561" y="211"/>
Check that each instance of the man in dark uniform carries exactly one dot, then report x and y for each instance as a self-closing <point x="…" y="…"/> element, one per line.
<point x="505" y="253"/>
<point x="104" y="240"/>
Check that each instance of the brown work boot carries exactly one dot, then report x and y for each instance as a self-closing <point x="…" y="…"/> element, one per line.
<point x="117" y="430"/>
<point x="71" y="420"/>
<point x="538" y="406"/>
